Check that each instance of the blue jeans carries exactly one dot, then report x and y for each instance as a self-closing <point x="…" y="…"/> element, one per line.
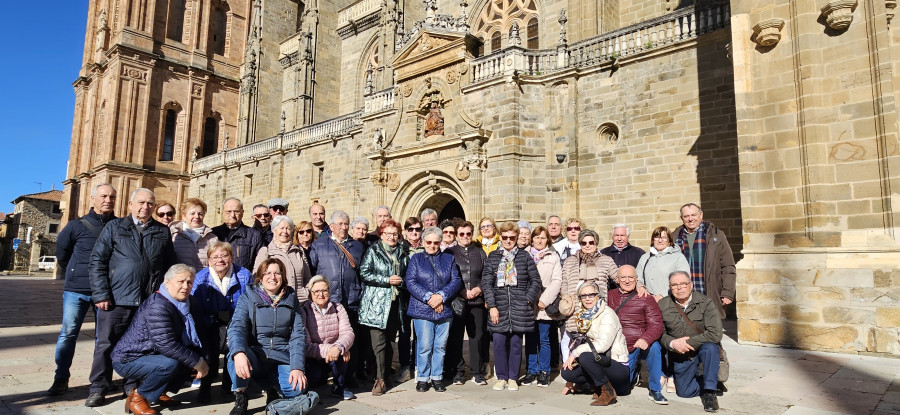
<point x="537" y="347"/>
<point x="75" y="307"/>
<point x="271" y="374"/>
<point x="157" y="375"/>
<point x="687" y="383"/>
<point x="653" y="356"/>
<point x="431" y="346"/>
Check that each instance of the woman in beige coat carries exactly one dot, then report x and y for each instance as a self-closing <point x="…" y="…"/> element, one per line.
<point x="190" y="236"/>
<point x="537" y="343"/>
<point x="283" y="248"/>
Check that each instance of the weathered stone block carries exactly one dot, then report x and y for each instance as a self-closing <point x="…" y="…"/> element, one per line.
<point x="836" y="277"/>
<point x="888" y="317"/>
<point x="801" y="314"/>
<point x="748" y="330"/>
<point x="847" y="315"/>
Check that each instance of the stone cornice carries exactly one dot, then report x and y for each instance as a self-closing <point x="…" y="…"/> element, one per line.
<point x="353" y="27"/>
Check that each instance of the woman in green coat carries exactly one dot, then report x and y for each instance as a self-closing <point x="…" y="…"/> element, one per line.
<point x="381" y="308"/>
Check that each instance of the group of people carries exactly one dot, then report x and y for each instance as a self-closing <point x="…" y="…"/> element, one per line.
<point x="289" y="305"/>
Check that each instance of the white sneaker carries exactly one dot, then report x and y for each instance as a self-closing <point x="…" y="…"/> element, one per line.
<point x="500" y="385"/>
<point x="512" y="385"/>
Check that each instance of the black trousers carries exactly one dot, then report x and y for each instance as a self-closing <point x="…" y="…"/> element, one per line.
<point x="361" y="351"/>
<point x="382" y="341"/>
<point x="110" y="326"/>
<point x="590" y="372"/>
<point x="474" y="323"/>
<point x="216" y="343"/>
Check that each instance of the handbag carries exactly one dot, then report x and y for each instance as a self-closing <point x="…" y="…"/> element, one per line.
<point x="604" y="359"/>
<point x="298" y="405"/>
<point x="724" y="366"/>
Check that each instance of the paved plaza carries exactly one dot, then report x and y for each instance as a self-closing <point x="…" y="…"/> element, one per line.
<point x="763" y="380"/>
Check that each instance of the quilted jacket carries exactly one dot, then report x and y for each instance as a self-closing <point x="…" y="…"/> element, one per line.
<point x="375" y="271"/>
<point x="326" y="330"/>
<point x="516" y="304"/>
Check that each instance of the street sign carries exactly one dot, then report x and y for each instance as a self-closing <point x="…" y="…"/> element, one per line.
<point x="16" y="243"/>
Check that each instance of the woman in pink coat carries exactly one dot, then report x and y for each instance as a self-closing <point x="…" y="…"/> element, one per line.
<point x="329" y="337"/>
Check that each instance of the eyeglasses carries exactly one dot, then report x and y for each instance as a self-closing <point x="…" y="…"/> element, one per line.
<point x="573" y="228"/>
<point x="488" y="226"/>
<point x="509" y="238"/>
<point x="449" y="232"/>
<point x="627" y="277"/>
<point x="432" y="242"/>
<point x="262" y="215"/>
<point x="679" y="284"/>
<point x="219" y="257"/>
<point x="304" y="231"/>
<point x="586" y="243"/>
<point x="661" y="238"/>
<point x="394" y="234"/>
<point x="588" y="295"/>
<point x="278" y="208"/>
<point x="465" y="234"/>
<point x="170" y="214"/>
<point x="414" y="229"/>
<point x="319" y="292"/>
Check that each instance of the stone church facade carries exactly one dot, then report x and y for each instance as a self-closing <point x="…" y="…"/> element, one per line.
<point x="777" y="117"/>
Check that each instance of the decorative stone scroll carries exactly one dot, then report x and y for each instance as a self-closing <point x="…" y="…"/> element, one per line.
<point x="839" y="13"/>
<point x="767" y="33"/>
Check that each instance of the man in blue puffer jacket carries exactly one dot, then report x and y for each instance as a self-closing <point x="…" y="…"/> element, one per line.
<point x="73" y="251"/>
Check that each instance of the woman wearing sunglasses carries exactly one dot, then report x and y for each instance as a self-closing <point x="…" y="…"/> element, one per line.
<point x="165" y="213"/>
<point x="412" y="240"/>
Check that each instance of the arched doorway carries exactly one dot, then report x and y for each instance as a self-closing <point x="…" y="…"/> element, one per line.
<point x="446" y="206"/>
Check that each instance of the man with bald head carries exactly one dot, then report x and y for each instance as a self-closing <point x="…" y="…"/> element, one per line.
<point x="127" y="265"/>
<point x="642" y="325"/>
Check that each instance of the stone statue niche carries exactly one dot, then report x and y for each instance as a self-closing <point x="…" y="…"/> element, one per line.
<point x="430" y="107"/>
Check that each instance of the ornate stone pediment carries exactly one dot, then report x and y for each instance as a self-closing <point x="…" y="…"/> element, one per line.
<point x="430" y="50"/>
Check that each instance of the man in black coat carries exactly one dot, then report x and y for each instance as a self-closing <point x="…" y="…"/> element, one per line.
<point x="622" y="252"/>
<point x="73" y="252"/>
<point x="127" y="265"/>
<point x="245" y="240"/>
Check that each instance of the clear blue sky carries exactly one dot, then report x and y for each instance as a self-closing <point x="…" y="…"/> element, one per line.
<point x="42" y="48"/>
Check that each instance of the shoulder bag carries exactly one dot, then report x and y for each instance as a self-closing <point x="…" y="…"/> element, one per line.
<point x="724" y="366"/>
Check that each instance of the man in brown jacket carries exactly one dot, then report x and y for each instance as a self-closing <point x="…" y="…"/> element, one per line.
<point x="693" y="330"/>
<point x="709" y="256"/>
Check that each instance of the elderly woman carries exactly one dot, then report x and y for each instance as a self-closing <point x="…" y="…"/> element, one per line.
<point x="165" y="213"/>
<point x="267" y="338"/>
<point x="588" y="264"/>
<point x="469" y="315"/>
<point x="661" y="260"/>
<point x="162" y="344"/>
<point x="433" y="280"/>
<point x="412" y="242"/>
<point x="191" y="236"/>
<point x="524" y="234"/>
<point x="448" y="234"/>
<point x="293" y="258"/>
<point x="329" y="337"/>
<point x="489" y="238"/>
<point x="511" y="286"/>
<point x="217" y="289"/>
<point x="598" y="334"/>
<point x="537" y="343"/>
<point x="359" y="227"/>
<point x="381" y="309"/>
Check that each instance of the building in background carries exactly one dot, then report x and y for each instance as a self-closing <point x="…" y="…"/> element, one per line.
<point x="35" y="222"/>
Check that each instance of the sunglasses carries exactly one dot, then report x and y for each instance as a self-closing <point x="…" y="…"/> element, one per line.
<point x="432" y="242"/>
<point x="488" y="226"/>
<point x="169" y="214"/>
<point x="573" y="228"/>
<point x="262" y="215"/>
<point x="414" y="229"/>
<point x="449" y="232"/>
<point x="304" y="231"/>
<point x="278" y="208"/>
<point x="586" y="243"/>
<point x="465" y="234"/>
<point x="509" y="238"/>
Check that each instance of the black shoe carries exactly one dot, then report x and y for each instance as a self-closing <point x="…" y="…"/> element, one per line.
<point x="439" y="386"/>
<point x="422" y="386"/>
<point x="271" y="395"/>
<point x="479" y="380"/>
<point x="459" y="379"/>
<point x="710" y="402"/>
<point x="59" y="387"/>
<point x="205" y="394"/>
<point x="543" y="379"/>
<point x="528" y="379"/>
<point x="240" y="404"/>
<point x="95" y="399"/>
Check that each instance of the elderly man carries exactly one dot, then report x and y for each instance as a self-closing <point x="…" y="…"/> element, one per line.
<point x="162" y="344"/>
<point x="642" y="326"/>
<point x="244" y="240"/>
<point x="338" y="258"/>
<point x="127" y="264"/>
<point x="554" y="225"/>
<point x="709" y="256"/>
<point x="621" y="251"/>
<point x="317" y="219"/>
<point x="692" y="335"/>
<point x="429" y="218"/>
<point x="382" y="213"/>
<point x="262" y="222"/>
<point x="73" y="251"/>
<point x="569" y="246"/>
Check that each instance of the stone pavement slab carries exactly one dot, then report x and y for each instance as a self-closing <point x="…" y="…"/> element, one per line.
<point x="764" y="380"/>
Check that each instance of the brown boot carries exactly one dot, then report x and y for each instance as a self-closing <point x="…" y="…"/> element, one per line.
<point x="605" y="395"/>
<point x="138" y="405"/>
<point x="379" y="388"/>
<point x="167" y="401"/>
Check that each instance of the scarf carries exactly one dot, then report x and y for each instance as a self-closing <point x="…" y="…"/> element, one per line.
<point x="537" y="254"/>
<point x="221" y="283"/>
<point x="583" y="316"/>
<point x="191" y="233"/>
<point x="587" y="265"/>
<point x="695" y="254"/>
<point x="189" y="337"/>
<point x="506" y="271"/>
<point x="271" y="300"/>
<point x="393" y="252"/>
<point x="285" y="246"/>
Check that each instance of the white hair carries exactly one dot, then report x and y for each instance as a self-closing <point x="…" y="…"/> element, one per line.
<point x="427" y="212"/>
<point x="178" y="269"/>
<point x="434" y="230"/>
<point x="359" y="219"/>
<point x="282" y="218"/>
<point x="375" y="212"/>
<point x="143" y="189"/>
<point x="97" y="187"/>
<point x="233" y="198"/>
<point x="339" y="214"/>
<point x="622" y="225"/>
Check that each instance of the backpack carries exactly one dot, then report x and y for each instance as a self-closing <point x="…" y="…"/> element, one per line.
<point x="298" y="405"/>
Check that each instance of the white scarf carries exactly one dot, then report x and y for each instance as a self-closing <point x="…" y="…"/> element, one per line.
<point x="221" y="283"/>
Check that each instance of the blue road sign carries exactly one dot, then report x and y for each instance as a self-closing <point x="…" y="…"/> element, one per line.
<point x="16" y="243"/>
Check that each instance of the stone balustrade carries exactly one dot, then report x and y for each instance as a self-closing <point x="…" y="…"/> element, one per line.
<point x="358" y="10"/>
<point x="380" y="101"/>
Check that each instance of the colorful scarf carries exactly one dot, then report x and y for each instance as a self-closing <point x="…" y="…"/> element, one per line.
<point x="189" y="336"/>
<point x="506" y="271"/>
<point x="695" y="254"/>
<point x="269" y="299"/>
<point x="583" y="316"/>
<point x="538" y="255"/>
